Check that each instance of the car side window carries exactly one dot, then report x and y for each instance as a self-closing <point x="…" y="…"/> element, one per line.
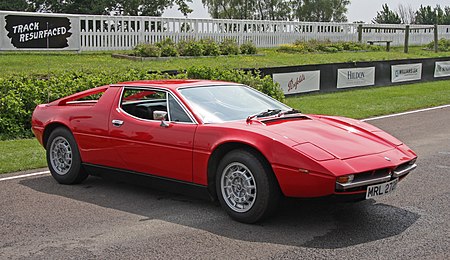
<point x="142" y="103"/>
<point x="177" y="114"/>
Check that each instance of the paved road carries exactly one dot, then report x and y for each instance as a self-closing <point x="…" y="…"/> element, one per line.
<point x="40" y="219"/>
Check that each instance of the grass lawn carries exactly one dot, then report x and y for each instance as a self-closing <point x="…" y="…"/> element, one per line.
<point x="43" y="63"/>
<point x="374" y="101"/>
<point x="17" y="155"/>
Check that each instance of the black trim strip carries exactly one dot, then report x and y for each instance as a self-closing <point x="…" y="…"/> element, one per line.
<point x="156" y="182"/>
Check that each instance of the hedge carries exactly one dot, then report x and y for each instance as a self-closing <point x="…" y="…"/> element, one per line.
<point x="193" y="47"/>
<point x="326" y="46"/>
<point x="19" y="94"/>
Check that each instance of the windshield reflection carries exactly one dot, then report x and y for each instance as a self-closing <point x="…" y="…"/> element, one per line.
<point x="216" y="104"/>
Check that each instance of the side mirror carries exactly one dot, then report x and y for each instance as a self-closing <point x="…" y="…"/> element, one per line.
<point x="159" y="115"/>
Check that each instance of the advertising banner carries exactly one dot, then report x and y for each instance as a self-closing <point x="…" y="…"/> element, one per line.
<point x="298" y="82"/>
<point x="37" y="32"/>
<point x="442" y="69"/>
<point x="406" y="72"/>
<point x="356" y="77"/>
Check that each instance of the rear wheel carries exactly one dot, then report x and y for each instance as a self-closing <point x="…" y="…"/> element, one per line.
<point x="246" y="187"/>
<point x="63" y="157"/>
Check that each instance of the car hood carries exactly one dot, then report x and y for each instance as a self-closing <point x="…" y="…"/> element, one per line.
<point x="343" y="138"/>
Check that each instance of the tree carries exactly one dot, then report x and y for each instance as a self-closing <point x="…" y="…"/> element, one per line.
<point x="302" y="10"/>
<point x="231" y="9"/>
<point x="387" y="16"/>
<point x="17" y="5"/>
<point x="321" y="10"/>
<point x="149" y="7"/>
<point x="273" y="10"/>
<point x="407" y="14"/>
<point x="427" y="15"/>
<point x="446" y="18"/>
<point x="106" y="7"/>
<point x="249" y="9"/>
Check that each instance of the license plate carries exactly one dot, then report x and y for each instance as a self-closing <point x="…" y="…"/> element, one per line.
<point x="381" y="189"/>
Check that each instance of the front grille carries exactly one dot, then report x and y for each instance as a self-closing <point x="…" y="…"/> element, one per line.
<point x="364" y="179"/>
<point x="364" y="176"/>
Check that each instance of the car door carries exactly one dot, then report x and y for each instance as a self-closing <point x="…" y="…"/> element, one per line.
<point x="161" y="146"/>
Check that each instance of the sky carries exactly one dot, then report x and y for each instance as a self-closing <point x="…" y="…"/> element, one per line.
<point x="358" y="10"/>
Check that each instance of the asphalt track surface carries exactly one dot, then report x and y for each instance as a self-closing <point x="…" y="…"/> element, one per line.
<point x="40" y="219"/>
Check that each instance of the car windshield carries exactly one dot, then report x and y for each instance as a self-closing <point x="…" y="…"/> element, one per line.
<point x="216" y="104"/>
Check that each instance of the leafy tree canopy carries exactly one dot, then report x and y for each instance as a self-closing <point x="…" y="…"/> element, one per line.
<point x="387" y="16"/>
<point x="322" y="10"/>
<point x="301" y="10"/>
<point x="429" y="15"/>
<point x="97" y="7"/>
<point x="17" y="5"/>
<point x="424" y="15"/>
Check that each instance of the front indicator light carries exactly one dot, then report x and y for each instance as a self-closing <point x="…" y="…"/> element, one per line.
<point x="303" y="170"/>
<point x="345" y="179"/>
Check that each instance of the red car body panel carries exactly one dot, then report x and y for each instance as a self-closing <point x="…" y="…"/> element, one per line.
<point x="307" y="153"/>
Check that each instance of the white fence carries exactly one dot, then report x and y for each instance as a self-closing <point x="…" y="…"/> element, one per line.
<point x="91" y="32"/>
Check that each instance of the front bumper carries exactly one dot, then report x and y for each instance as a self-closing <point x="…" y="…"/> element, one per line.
<point x="362" y="183"/>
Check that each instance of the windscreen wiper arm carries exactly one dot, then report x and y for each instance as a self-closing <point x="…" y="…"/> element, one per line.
<point x="268" y="112"/>
<point x="289" y="112"/>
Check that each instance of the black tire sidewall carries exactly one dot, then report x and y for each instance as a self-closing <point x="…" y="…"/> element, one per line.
<point x="266" y="194"/>
<point x="75" y="174"/>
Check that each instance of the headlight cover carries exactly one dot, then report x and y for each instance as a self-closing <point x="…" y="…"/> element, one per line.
<point x="313" y="151"/>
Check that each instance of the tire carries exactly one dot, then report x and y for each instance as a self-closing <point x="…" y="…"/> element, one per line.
<point x="246" y="187"/>
<point x="63" y="157"/>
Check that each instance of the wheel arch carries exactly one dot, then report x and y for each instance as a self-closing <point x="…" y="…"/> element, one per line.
<point x="224" y="148"/>
<point x="49" y="129"/>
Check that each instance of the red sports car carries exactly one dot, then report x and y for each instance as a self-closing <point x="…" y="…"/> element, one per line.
<point x="241" y="146"/>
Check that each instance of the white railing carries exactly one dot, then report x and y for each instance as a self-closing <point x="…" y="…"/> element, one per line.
<point x="124" y="32"/>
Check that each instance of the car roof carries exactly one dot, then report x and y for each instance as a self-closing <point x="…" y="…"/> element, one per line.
<point x="172" y="84"/>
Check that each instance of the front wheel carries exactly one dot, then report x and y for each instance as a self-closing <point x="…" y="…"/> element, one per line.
<point x="246" y="186"/>
<point x="63" y="157"/>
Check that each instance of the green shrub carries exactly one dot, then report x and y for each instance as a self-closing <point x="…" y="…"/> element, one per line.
<point x="190" y="48"/>
<point x="330" y="49"/>
<point x="207" y="47"/>
<point x="229" y="46"/>
<point x="194" y="48"/>
<point x="326" y="46"/>
<point x="19" y="94"/>
<point x="248" y="48"/>
<point x="147" y="50"/>
<point x="443" y="45"/>
<point x="166" y="41"/>
<point x="337" y="45"/>
<point x="291" y="48"/>
<point x="168" y="48"/>
<point x="169" y="51"/>
<point x="181" y="47"/>
<point x="374" y="48"/>
<point x="210" y="47"/>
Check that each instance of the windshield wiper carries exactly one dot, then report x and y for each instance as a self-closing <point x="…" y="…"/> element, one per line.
<point x="289" y="112"/>
<point x="268" y="112"/>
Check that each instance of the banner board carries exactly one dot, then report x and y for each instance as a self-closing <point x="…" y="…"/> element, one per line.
<point x="298" y="82"/>
<point x="38" y="32"/>
<point x="356" y="77"/>
<point x="406" y="72"/>
<point x="442" y="69"/>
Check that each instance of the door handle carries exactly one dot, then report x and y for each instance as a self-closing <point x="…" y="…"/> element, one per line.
<point x="117" y="123"/>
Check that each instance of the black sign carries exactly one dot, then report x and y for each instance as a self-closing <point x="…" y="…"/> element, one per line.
<point x="38" y="32"/>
